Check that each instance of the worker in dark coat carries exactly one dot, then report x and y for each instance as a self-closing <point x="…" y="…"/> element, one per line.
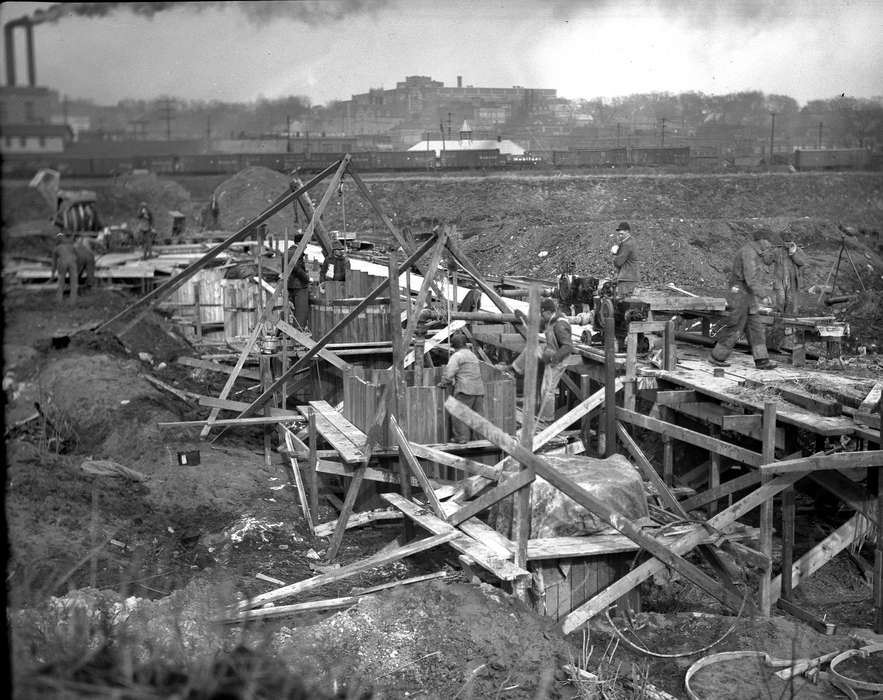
<point x="145" y="229"/>
<point x="787" y="258"/>
<point x="463" y="373"/>
<point x="743" y="299"/>
<point x="334" y="265"/>
<point x="556" y="355"/>
<point x="299" y="289"/>
<point x="625" y="261"/>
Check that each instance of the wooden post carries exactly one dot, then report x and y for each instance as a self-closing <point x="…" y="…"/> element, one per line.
<point x="670" y="354"/>
<point x="198" y="309"/>
<point x="419" y="345"/>
<point x="875" y="487"/>
<point x="766" y="508"/>
<point x="798" y="351"/>
<point x="522" y="510"/>
<point x="631" y="369"/>
<point x="266" y="380"/>
<point x="585" y="387"/>
<point x="788" y="511"/>
<point x="397" y="396"/>
<point x="286" y="316"/>
<point x="668" y="461"/>
<point x="313" y="462"/>
<point x="609" y="388"/>
<point x="714" y="470"/>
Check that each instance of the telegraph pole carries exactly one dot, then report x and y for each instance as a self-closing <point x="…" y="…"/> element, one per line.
<point x="662" y="140"/>
<point x="167" y="112"/>
<point x="820" y="136"/>
<point x="288" y="133"/>
<point x="772" y="132"/>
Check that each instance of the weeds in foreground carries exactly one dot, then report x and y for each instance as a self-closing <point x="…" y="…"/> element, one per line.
<point x="609" y="681"/>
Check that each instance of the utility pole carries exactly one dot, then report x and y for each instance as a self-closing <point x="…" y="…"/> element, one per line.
<point x="288" y="133"/>
<point x="449" y="126"/>
<point x="167" y="112"/>
<point x="662" y="140"/>
<point x="208" y="129"/>
<point x="772" y="133"/>
<point x="820" y="136"/>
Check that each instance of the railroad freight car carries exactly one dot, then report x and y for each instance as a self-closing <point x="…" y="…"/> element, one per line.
<point x="591" y="157"/>
<point x="662" y="155"/>
<point x="832" y="159"/>
<point x="456" y="160"/>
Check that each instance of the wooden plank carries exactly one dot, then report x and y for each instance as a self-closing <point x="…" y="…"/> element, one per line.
<point x="838" y="460"/>
<point x="682" y="545"/>
<point x="593" y="504"/>
<point x="385" y="476"/>
<point x="872" y="400"/>
<point x="217" y="367"/>
<point x="307" y="341"/>
<point x="414" y="466"/>
<point x="726" y="449"/>
<point x="454" y="462"/>
<point x="676" y="398"/>
<point x="352" y="433"/>
<point x="713" y="494"/>
<point x="357" y="520"/>
<point x="254" y="420"/>
<point x="332" y="434"/>
<point x="289" y="438"/>
<point x="348" y="502"/>
<point x="227" y="404"/>
<point x="742" y="423"/>
<point x="312" y="606"/>
<point x="349" y="570"/>
<point x="483" y="556"/>
<point x="816" y="404"/>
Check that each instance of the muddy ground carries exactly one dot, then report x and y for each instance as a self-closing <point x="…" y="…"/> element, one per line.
<point x="116" y="580"/>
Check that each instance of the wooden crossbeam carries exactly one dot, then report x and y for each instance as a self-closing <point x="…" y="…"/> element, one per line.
<point x="307" y="341"/>
<point x="838" y="460"/>
<point x="406" y="453"/>
<point x="506" y="487"/>
<point x="423" y="294"/>
<point x="613" y="518"/>
<point x="740" y="454"/>
<point x="217" y="367"/>
<point x="713" y="494"/>
<point x="460" y="463"/>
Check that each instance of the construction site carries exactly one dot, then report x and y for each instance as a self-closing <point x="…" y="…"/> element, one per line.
<point x="209" y="494"/>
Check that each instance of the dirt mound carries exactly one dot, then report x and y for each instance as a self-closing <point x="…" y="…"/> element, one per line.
<point x="247" y="194"/>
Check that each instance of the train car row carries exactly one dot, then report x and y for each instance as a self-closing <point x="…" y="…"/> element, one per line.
<point x="24" y="165"/>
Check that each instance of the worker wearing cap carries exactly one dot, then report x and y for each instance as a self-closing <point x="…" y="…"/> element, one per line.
<point x="463" y="373"/>
<point x="625" y="261"/>
<point x="334" y="265"/>
<point x="787" y="258"/>
<point x="743" y="300"/>
<point x="556" y="355"/>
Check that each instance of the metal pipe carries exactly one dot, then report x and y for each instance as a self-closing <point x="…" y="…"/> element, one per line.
<point x="8" y="32"/>
<point x="487" y="316"/>
<point x="842" y="299"/>
<point x="29" y="46"/>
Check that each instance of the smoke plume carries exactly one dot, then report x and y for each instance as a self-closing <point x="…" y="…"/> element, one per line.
<point x="309" y="12"/>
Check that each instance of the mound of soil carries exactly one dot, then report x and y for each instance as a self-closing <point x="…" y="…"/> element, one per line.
<point x="248" y="193"/>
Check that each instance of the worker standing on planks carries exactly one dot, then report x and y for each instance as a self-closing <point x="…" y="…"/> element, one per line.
<point x="299" y="289"/>
<point x="625" y="261"/>
<point x="787" y="258"/>
<point x="145" y="229"/>
<point x="556" y="355"/>
<point x="463" y="373"/>
<point x="743" y="300"/>
<point x="69" y="261"/>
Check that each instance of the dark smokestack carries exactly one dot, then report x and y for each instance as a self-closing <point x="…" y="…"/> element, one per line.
<point x="32" y="63"/>
<point x="10" y="53"/>
<point x="459" y="81"/>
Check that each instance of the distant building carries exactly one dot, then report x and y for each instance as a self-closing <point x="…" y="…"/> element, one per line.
<point x="465" y="142"/>
<point x="34" y="138"/>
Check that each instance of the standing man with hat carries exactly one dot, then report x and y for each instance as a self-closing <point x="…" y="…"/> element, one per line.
<point x="625" y="261"/>
<point x="556" y="355"/>
<point x="743" y="300"/>
<point x="788" y="258"/>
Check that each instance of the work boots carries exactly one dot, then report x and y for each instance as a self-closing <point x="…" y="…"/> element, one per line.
<point x="765" y="364"/>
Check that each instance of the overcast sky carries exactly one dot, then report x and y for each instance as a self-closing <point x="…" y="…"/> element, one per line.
<point x="331" y="49"/>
